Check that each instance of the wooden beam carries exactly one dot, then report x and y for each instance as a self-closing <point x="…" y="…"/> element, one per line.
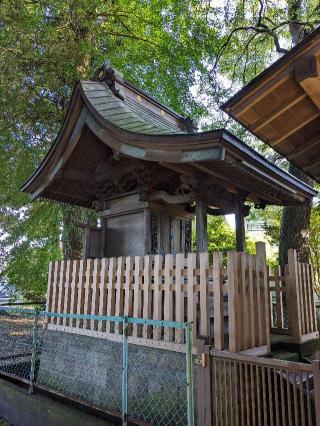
<point x="240" y="228"/>
<point x="201" y="227"/>
<point x="307" y="75"/>
<point x="250" y="99"/>
<point x="280" y="109"/>
<point x="295" y="128"/>
<point x="314" y="142"/>
<point x="171" y="199"/>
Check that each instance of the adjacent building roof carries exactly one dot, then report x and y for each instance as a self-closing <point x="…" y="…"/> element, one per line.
<point x="109" y="117"/>
<point x="281" y="106"/>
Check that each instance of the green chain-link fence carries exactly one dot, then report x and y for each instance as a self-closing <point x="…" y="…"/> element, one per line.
<point x="140" y="379"/>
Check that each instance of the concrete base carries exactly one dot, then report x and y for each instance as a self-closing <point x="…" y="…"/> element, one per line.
<point x="21" y="409"/>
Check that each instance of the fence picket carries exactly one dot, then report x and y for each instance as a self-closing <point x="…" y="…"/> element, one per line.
<point x="252" y="304"/>
<point x="95" y="291"/>
<point x="147" y="294"/>
<point x="88" y="292"/>
<point x="157" y="309"/>
<point x="62" y="281"/>
<point x="67" y="290"/>
<point x="103" y="290"/>
<point x="179" y="296"/>
<point x="218" y="301"/>
<point x="55" y="288"/>
<point x="128" y="311"/>
<point x="111" y="293"/>
<point x="191" y="294"/>
<point x="119" y="293"/>
<point x="50" y="286"/>
<point x="80" y="301"/>
<point x="168" y="299"/>
<point x="137" y="297"/>
<point x="74" y="289"/>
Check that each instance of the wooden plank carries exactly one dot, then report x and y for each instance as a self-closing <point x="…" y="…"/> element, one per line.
<point x="297" y="152"/>
<point x="204" y="387"/>
<point x="128" y="293"/>
<point x="238" y="301"/>
<point x="179" y="296"/>
<point x="279" y="109"/>
<point x="295" y="128"/>
<point x="232" y="305"/>
<point x="191" y="294"/>
<point x="55" y="289"/>
<point x="103" y="291"/>
<point x="310" y="300"/>
<point x="313" y="306"/>
<point x="252" y="304"/>
<point x="168" y="299"/>
<point x="244" y="297"/>
<point x="80" y="298"/>
<point x="137" y="297"/>
<point x="88" y="292"/>
<point x="67" y="291"/>
<point x="50" y="286"/>
<point x="218" y="301"/>
<point x="111" y="292"/>
<point x="204" y="296"/>
<point x="259" y="304"/>
<point x="119" y="293"/>
<point x="62" y="281"/>
<point x="95" y="291"/>
<point x="74" y="289"/>
<point x="279" y="299"/>
<point x="147" y="272"/>
<point x="157" y="301"/>
<point x="304" y="296"/>
<point x="267" y="313"/>
<point x="293" y="296"/>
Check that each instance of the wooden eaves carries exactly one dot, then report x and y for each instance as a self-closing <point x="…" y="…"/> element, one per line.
<point x="109" y="123"/>
<point x="281" y="106"/>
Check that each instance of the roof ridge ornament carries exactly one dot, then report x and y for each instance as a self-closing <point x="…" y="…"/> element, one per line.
<point x="107" y="74"/>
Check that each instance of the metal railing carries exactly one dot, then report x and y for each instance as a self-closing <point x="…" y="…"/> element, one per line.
<point x="139" y="382"/>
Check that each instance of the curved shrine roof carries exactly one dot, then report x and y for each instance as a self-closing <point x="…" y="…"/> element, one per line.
<point x="111" y="125"/>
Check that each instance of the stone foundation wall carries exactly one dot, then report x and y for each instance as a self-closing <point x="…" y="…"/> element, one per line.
<point x="90" y="368"/>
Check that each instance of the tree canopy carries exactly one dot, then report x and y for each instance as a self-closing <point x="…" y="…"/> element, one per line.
<point x="190" y="55"/>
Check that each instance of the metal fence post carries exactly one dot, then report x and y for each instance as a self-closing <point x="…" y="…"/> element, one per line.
<point x="189" y="375"/>
<point x="124" y="372"/>
<point x="34" y="351"/>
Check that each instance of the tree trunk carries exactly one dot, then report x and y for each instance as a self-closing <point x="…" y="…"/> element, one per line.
<point x="72" y="233"/>
<point x="295" y="225"/>
<point x="295" y="221"/>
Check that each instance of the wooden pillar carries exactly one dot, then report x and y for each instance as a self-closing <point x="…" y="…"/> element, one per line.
<point x="147" y="231"/>
<point x="201" y="227"/>
<point x="240" y="229"/>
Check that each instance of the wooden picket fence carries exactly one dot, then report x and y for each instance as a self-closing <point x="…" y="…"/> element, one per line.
<point x="293" y="297"/>
<point x="170" y="288"/>
<point x="241" y="390"/>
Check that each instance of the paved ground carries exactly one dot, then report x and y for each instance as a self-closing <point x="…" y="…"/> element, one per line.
<point x="20" y="409"/>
